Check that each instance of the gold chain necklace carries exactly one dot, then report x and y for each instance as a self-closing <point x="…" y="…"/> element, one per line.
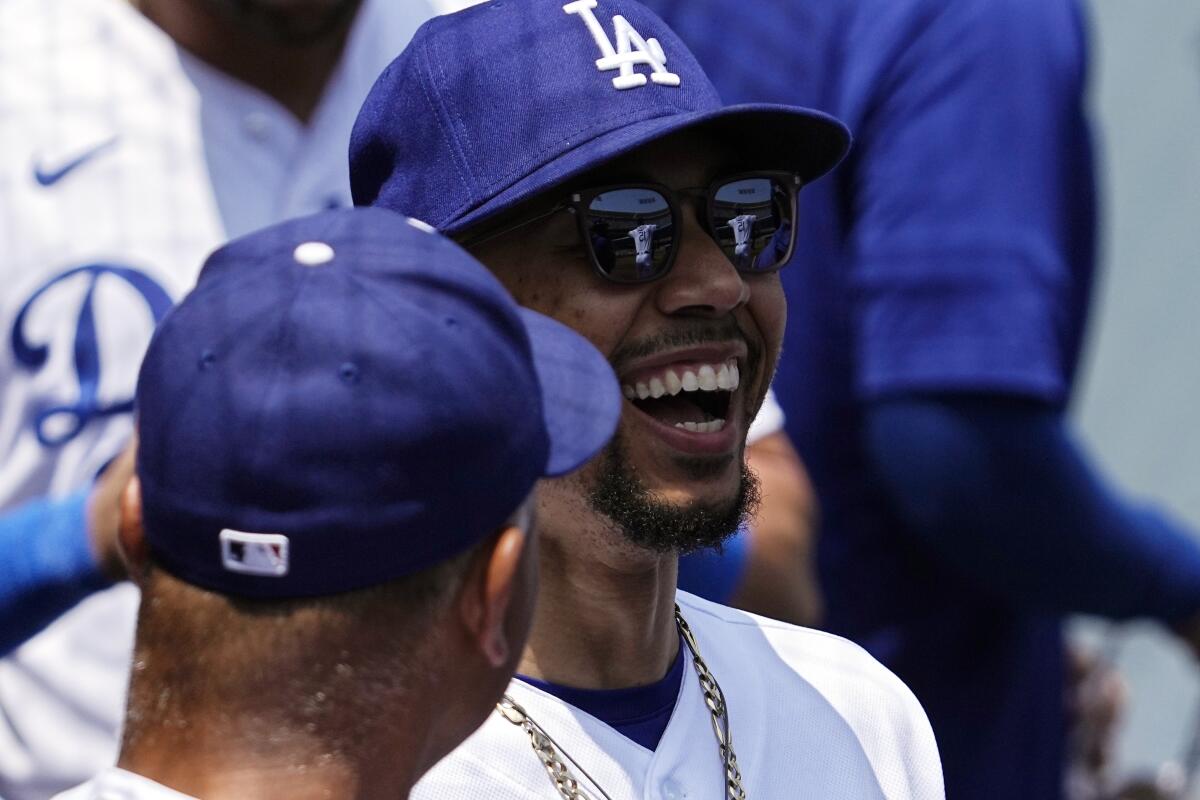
<point x="552" y="754"/>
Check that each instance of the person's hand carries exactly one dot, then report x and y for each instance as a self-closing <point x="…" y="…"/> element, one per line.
<point x="1095" y="700"/>
<point x="104" y="512"/>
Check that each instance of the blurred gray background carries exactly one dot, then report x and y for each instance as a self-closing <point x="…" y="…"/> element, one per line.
<point x="1139" y="408"/>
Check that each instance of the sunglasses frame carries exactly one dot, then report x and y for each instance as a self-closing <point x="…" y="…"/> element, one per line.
<point x="577" y="205"/>
<point x="580" y="200"/>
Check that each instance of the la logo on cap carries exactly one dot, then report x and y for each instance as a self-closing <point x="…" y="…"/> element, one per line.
<point x="631" y="49"/>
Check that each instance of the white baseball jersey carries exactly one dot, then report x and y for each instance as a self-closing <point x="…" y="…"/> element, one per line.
<point x="812" y="716"/>
<point x="123" y="162"/>
<point x="118" y="784"/>
<point x="769" y="420"/>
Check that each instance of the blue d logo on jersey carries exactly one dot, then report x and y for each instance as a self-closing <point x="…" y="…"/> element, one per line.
<point x="49" y="424"/>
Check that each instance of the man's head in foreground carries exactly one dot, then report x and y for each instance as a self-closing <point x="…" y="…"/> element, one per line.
<point x="580" y="152"/>
<point x="340" y="430"/>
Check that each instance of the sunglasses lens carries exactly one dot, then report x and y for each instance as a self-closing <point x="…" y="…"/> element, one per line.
<point x="630" y="234"/>
<point x="752" y="222"/>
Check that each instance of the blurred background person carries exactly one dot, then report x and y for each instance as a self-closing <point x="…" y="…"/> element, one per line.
<point x="138" y="136"/>
<point x="937" y="318"/>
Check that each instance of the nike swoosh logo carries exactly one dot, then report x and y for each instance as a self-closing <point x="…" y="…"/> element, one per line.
<point x="49" y="177"/>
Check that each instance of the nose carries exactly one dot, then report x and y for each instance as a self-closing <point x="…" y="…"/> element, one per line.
<point x="703" y="281"/>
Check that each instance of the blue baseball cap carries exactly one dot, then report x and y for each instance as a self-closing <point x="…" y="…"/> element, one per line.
<point x="494" y="105"/>
<point x="349" y="398"/>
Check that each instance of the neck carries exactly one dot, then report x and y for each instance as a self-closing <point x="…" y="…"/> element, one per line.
<point x="294" y="75"/>
<point x="224" y="756"/>
<point x="605" y="616"/>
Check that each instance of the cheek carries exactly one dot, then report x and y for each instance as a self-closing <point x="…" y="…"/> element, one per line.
<point x="601" y="323"/>
<point x="534" y="284"/>
<point x="768" y="306"/>
<point x="568" y="294"/>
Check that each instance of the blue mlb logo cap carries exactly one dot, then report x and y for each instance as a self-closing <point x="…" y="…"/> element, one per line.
<point x="349" y="398"/>
<point x="496" y="104"/>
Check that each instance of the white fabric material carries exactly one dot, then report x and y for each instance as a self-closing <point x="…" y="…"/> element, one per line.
<point x="451" y="6"/>
<point x="770" y="419"/>
<point x="177" y="158"/>
<point x="813" y="717"/>
<point x="117" y="784"/>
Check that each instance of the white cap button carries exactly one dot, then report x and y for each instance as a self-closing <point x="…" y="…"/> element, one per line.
<point x="313" y="254"/>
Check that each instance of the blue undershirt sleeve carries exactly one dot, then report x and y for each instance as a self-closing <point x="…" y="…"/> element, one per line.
<point x="46" y="566"/>
<point x="998" y="489"/>
<point x="716" y="574"/>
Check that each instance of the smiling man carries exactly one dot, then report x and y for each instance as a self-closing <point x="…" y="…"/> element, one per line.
<point x="582" y="155"/>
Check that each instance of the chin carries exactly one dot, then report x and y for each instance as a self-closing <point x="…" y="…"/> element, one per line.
<point x="697" y="503"/>
<point x="715" y="480"/>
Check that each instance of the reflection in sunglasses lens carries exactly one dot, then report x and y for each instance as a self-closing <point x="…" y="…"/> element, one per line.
<point x="751" y="221"/>
<point x="631" y="233"/>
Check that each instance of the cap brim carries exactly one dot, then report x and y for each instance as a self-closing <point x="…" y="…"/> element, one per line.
<point x="581" y="400"/>
<point x="780" y="137"/>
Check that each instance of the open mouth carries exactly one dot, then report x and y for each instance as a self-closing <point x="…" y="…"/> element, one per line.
<point x="695" y="397"/>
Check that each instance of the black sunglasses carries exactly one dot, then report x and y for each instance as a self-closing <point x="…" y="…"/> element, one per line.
<point x="630" y="230"/>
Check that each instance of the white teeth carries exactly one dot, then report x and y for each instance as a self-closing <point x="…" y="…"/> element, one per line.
<point x="712" y="426"/>
<point x="674" y="385"/>
<point x="704" y="378"/>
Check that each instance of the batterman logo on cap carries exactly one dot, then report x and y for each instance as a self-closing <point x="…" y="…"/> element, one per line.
<point x="630" y="49"/>
<point x="254" y="553"/>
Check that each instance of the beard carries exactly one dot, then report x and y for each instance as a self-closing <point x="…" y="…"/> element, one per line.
<point x="620" y="495"/>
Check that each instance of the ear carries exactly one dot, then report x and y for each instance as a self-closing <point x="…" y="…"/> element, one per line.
<point x="131" y="537"/>
<point x="494" y="583"/>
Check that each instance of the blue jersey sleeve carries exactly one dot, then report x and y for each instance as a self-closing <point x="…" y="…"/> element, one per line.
<point x="716" y="574"/>
<point x="46" y="566"/>
<point x="998" y="490"/>
<point x="970" y="246"/>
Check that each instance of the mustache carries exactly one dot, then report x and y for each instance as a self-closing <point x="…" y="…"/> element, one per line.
<point x="689" y="335"/>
